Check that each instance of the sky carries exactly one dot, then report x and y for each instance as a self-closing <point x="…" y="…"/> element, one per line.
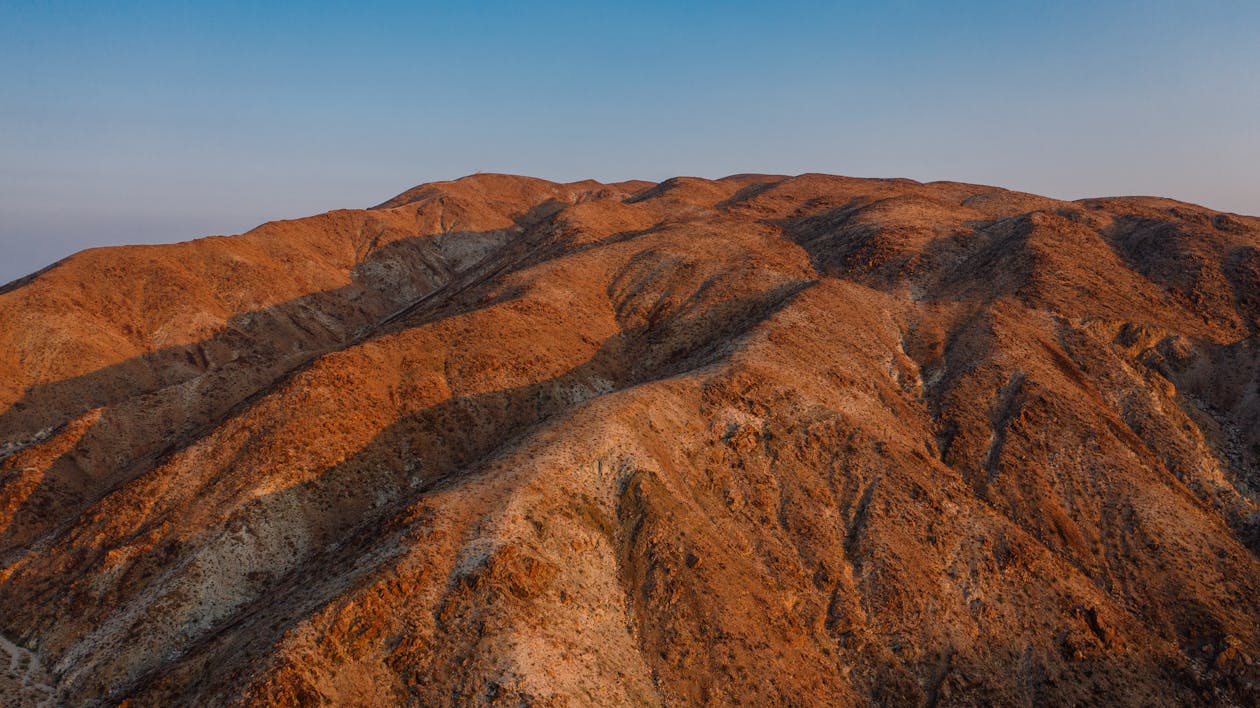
<point x="149" y="122"/>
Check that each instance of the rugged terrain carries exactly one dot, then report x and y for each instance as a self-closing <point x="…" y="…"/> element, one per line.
<point x="807" y="440"/>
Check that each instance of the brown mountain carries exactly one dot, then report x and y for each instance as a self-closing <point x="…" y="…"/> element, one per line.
<point x="807" y="440"/>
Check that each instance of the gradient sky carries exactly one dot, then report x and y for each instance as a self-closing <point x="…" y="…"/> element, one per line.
<point x="133" y="122"/>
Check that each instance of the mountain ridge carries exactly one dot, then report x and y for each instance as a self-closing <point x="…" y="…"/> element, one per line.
<point x="760" y="438"/>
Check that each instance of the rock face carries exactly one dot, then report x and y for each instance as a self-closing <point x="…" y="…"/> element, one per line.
<point x="808" y="440"/>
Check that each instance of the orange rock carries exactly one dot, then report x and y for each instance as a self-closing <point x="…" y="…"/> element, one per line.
<point x="767" y="440"/>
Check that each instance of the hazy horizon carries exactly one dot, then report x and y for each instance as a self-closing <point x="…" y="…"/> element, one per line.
<point x="141" y="123"/>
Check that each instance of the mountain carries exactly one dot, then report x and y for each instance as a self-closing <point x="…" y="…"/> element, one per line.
<point x="772" y="440"/>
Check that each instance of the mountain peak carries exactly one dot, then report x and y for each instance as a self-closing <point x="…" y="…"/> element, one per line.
<point x="760" y="439"/>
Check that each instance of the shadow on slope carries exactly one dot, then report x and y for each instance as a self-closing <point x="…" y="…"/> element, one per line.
<point x="142" y="410"/>
<point x="347" y="506"/>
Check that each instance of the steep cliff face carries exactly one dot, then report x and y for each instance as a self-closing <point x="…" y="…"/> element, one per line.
<point x="759" y="439"/>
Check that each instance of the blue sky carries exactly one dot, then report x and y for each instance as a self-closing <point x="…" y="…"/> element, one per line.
<point x="134" y="122"/>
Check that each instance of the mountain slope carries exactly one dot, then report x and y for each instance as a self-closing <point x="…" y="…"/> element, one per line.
<point x="759" y="439"/>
